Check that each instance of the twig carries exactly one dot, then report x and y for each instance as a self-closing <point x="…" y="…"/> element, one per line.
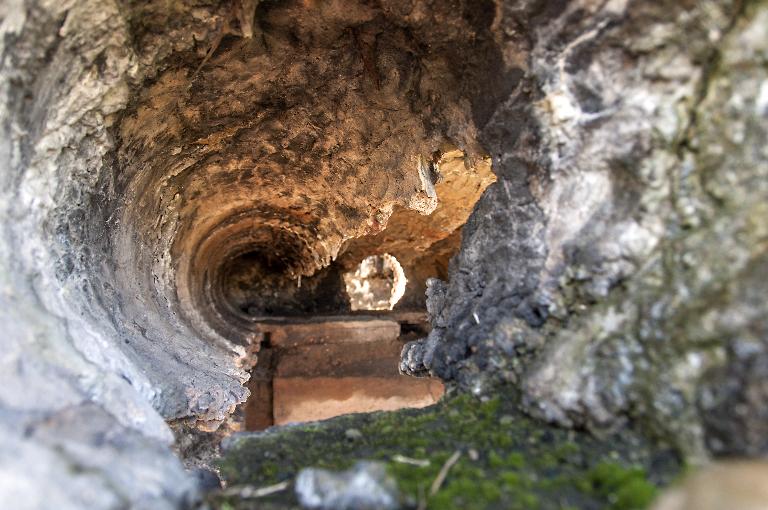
<point x="408" y="460"/>
<point x="444" y="472"/>
<point x="223" y="29"/>
<point x="422" y="499"/>
<point x="250" y="492"/>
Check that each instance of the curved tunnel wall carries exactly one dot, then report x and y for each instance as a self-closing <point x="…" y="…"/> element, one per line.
<point x="165" y="142"/>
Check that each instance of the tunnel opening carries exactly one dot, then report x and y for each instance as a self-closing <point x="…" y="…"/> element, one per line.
<point x="322" y="345"/>
<point x="220" y="187"/>
<point x="249" y="198"/>
<point x="255" y="285"/>
<point x="378" y="283"/>
<point x="318" y="350"/>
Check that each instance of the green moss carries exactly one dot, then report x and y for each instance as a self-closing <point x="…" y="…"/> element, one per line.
<point x="637" y="493"/>
<point x="510" y="478"/>
<point x="495" y="460"/>
<point x="507" y="459"/>
<point x="515" y="460"/>
<point x="465" y="493"/>
<point x="625" y="488"/>
<point x="566" y="450"/>
<point x="547" y="460"/>
<point x="529" y="500"/>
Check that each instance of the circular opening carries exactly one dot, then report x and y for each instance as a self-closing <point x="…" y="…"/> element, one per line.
<point x="377" y="284"/>
<point x="254" y="284"/>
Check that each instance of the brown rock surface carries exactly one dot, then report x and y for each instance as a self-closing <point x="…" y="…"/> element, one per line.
<point x="319" y="398"/>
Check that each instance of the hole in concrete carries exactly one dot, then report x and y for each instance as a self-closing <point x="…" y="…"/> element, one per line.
<point x="377" y="284"/>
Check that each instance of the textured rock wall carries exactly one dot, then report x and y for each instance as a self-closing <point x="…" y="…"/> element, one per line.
<point x="613" y="271"/>
<point x="76" y="407"/>
<point x="146" y="146"/>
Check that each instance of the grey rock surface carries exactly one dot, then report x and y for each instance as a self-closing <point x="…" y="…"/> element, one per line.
<point x="365" y="486"/>
<point x="81" y="407"/>
<point x="612" y="272"/>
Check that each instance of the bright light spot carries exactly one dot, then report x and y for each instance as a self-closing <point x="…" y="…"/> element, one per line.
<point x="377" y="284"/>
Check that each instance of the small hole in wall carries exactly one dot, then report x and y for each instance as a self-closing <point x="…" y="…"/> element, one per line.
<point x="377" y="284"/>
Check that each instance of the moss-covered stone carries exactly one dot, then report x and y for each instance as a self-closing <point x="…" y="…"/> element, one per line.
<point x="504" y="463"/>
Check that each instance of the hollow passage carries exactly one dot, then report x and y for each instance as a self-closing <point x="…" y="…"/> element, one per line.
<point x="254" y="163"/>
<point x="313" y="365"/>
<point x="181" y="174"/>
